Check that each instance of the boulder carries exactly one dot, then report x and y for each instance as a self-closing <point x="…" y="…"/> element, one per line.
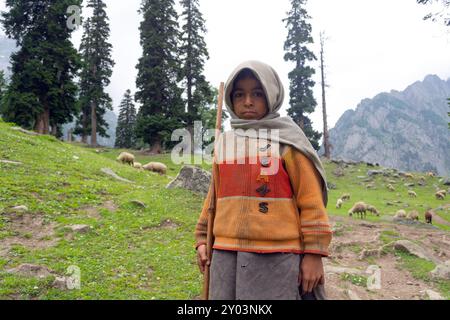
<point x="114" y="175"/>
<point x="31" y="270"/>
<point x="433" y="295"/>
<point x="352" y="295"/>
<point x="413" y="249"/>
<point x="80" y="228"/>
<point x="10" y="162"/>
<point x="340" y="270"/>
<point x="192" y="178"/>
<point x="20" y="208"/>
<point x="374" y="172"/>
<point x="442" y="271"/>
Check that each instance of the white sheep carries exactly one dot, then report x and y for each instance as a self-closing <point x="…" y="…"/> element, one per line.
<point x="411" y="193"/>
<point x="339" y="203"/>
<point x="126" y="157"/>
<point x="390" y="187"/>
<point x="345" y="196"/>
<point x="400" y="214"/>
<point x="413" y="215"/>
<point x="374" y="210"/>
<point x="159" y="167"/>
<point x="137" y="165"/>
<point x="440" y="195"/>
<point x="359" y="208"/>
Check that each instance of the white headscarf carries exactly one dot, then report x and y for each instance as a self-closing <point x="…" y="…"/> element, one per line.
<point x="289" y="132"/>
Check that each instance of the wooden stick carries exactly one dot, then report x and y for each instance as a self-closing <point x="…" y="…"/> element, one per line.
<point x="212" y="204"/>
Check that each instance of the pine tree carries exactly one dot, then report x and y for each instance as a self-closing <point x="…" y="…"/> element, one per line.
<point x="97" y="70"/>
<point x="126" y="123"/>
<point x="41" y="93"/>
<point x="193" y="53"/>
<point x="302" y="101"/>
<point x="158" y="92"/>
<point x="83" y="124"/>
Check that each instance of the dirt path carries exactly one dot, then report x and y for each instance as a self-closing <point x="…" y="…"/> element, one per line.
<point x="346" y="272"/>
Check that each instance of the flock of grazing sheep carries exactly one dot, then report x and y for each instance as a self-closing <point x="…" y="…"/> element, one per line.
<point x="128" y="158"/>
<point x="360" y="208"/>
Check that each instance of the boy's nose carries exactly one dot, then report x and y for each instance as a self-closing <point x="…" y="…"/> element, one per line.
<point x="248" y="100"/>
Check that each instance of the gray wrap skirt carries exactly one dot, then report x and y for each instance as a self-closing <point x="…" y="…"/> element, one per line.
<point x="237" y="275"/>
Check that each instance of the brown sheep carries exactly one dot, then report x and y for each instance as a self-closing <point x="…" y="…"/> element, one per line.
<point x="159" y="167"/>
<point x="359" y="208"/>
<point x="126" y="157"/>
<point x="429" y="216"/>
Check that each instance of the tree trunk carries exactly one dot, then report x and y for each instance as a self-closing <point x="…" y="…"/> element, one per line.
<point x="43" y="120"/>
<point x="39" y="127"/>
<point x="156" y="147"/>
<point x="69" y="135"/>
<point x="84" y="134"/>
<point x="326" y="142"/>
<point x="93" y="124"/>
<point x="54" y="130"/>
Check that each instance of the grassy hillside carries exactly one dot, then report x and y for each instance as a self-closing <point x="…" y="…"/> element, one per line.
<point x="130" y="252"/>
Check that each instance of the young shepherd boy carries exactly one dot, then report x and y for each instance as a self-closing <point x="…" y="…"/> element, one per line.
<point x="271" y="228"/>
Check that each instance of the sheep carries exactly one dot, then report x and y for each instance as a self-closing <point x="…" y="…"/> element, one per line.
<point x="408" y="175"/>
<point x="430" y="174"/>
<point x="359" y="208"/>
<point x="412" y="193"/>
<point x="126" y="157"/>
<point x="373" y="210"/>
<point x="390" y="187"/>
<point x="345" y="196"/>
<point x="413" y="215"/>
<point x="444" y="192"/>
<point x="440" y="196"/>
<point x="137" y="165"/>
<point x="400" y="214"/>
<point x="429" y="216"/>
<point x="339" y="203"/>
<point x="159" y="167"/>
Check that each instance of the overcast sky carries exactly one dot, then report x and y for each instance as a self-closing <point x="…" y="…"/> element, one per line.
<point x="373" y="45"/>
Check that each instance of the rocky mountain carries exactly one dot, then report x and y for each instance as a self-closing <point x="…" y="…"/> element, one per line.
<point x="405" y="130"/>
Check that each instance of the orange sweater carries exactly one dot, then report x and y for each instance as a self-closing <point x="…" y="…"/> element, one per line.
<point x="276" y="213"/>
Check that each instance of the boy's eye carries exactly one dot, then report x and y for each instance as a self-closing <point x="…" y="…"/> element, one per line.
<point x="258" y="94"/>
<point x="237" y="95"/>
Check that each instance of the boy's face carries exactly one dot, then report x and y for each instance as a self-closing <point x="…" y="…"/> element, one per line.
<point x="249" y="100"/>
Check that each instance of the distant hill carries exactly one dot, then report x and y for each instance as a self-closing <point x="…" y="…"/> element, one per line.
<point x="404" y="130"/>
